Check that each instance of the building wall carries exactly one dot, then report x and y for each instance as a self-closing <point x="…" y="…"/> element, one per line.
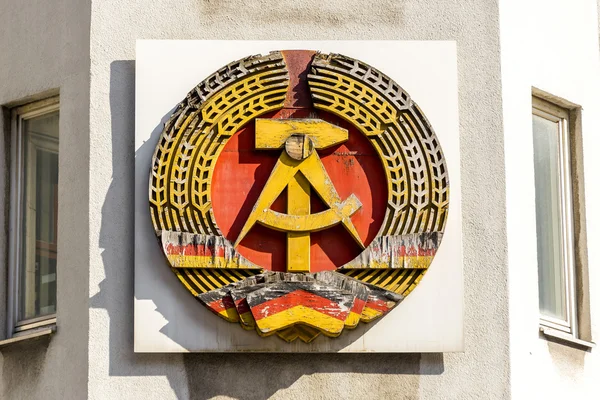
<point x="552" y="46"/>
<point x="48" y="47"/>
<point x="44" y="50"/>
<point x="482" y="371"/>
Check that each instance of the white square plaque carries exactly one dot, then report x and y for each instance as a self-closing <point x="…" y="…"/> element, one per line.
<point x="169" y="319"/>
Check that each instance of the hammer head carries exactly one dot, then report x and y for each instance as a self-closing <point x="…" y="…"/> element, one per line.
<point x="273" y="133"/>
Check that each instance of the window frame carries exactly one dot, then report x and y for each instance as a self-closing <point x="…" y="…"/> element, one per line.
<point x="552" y="112"/>
<point x="16" y="326"/>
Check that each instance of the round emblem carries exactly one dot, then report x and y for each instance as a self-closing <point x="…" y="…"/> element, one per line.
<point x="299" y="193"/>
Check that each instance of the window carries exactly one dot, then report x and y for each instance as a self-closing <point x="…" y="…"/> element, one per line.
<point x="560" y="221"/>
<point x="554" y="216"/>
<point x="34" y="216"/>
<point x="563" y="278"/>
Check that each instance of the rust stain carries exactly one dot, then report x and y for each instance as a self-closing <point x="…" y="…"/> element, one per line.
<point x="298" y="63"/>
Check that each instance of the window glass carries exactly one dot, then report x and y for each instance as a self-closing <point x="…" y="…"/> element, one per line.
<point x="40" y="199"/>
<point x="546" y="136"/>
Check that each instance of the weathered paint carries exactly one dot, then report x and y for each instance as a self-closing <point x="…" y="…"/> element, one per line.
<point x="417" y="177"/>
<point x="299" y="331"/>
<point x="273" y="133"/>
<point x="298" y="243"/>
<point x="193" y="138"/>
<point x="282" y="305"/>
<point x="312" y="169"/>
<point x="202" y="280"/>
<point x="414" y="250"/>
<point x="401" y="281"/>
<point x="188" y="250"/>
<point x="353" y="167"/>
<point x="299" y="146"/>
<point x="300" y="304"/>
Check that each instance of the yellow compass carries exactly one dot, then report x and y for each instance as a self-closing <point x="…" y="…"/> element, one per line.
<point x="298" y="169"/>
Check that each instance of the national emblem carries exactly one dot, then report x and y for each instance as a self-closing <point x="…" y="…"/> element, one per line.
<point x="267" y="93"/>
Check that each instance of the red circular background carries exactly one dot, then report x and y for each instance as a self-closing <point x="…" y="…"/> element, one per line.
<point x="242" y="171"/>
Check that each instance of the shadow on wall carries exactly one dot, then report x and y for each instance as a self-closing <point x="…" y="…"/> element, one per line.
<point x="22" y="365"/>
<point x="206" y="375"/>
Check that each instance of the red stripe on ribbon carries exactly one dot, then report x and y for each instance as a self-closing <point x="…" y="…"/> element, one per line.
<point x="194" y="250"/>
<point x="378" y="305"/>
<point x="222" y="304"/>
<point x="300" y="298"/>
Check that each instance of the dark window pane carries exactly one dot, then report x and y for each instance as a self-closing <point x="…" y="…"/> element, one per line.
<point x="40" y="201"/>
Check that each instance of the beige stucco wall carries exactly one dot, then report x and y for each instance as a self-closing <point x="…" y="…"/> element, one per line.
<point x="44" y="49"/>
<point x="482" y="371"/>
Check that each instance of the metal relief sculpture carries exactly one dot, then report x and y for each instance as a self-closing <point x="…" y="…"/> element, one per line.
<point x="299" y="193"/>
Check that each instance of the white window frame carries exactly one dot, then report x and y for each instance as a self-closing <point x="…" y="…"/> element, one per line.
<point x="16" y="326"/>
<point x="552" y="112"/>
